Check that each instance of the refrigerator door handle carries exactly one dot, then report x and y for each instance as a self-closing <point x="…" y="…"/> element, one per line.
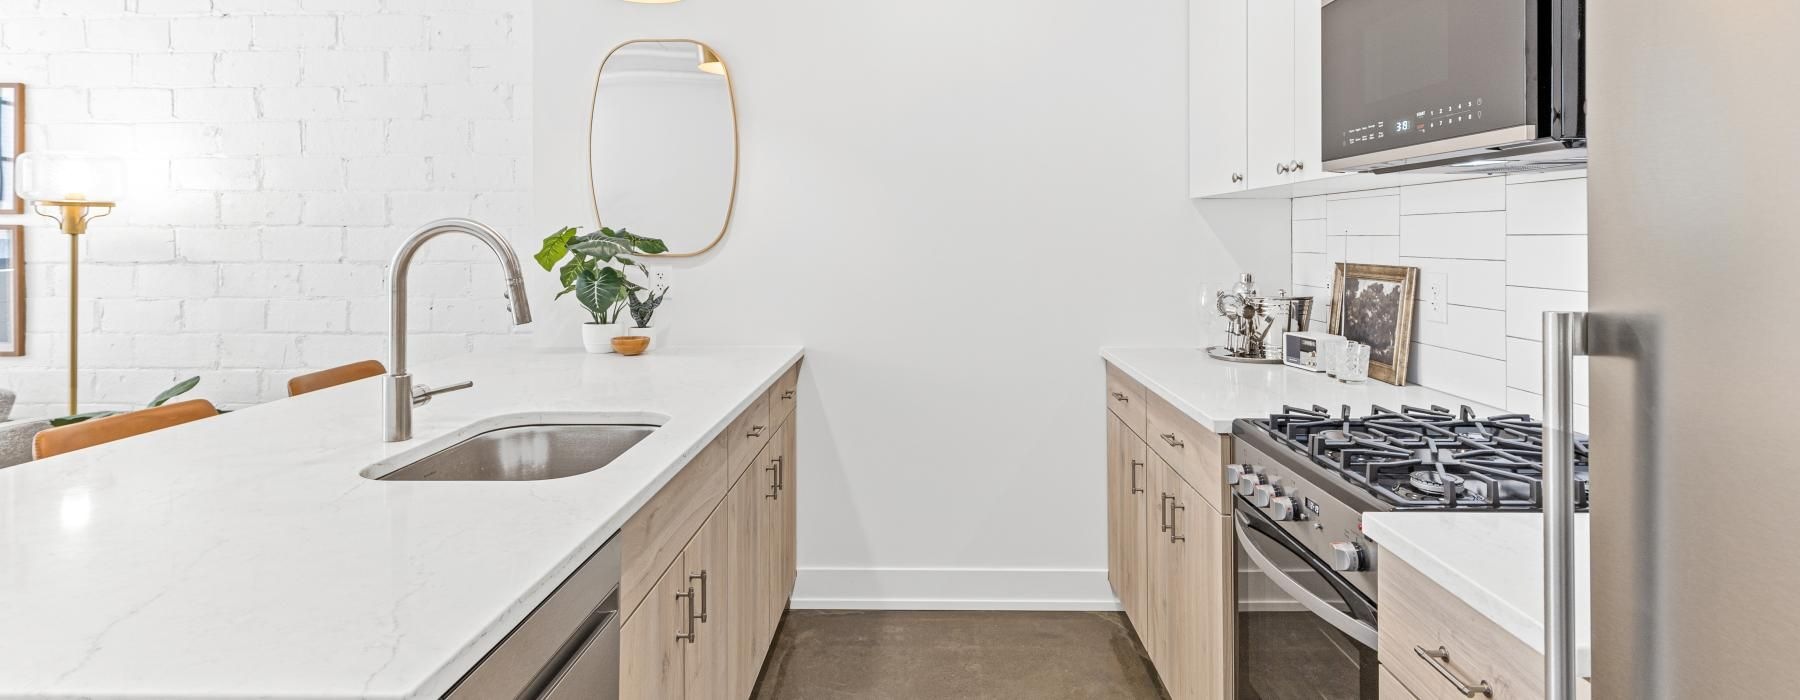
<point x="1565" y="338"/>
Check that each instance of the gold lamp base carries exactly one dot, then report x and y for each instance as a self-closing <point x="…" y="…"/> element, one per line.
<point x="73" y="215"/>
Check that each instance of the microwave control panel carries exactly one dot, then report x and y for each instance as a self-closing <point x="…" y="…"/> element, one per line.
<point x="1421" y="121"/>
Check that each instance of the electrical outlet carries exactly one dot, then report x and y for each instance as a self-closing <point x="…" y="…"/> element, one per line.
<point x="1435" y="297"/>
<point x="659" y="276"/>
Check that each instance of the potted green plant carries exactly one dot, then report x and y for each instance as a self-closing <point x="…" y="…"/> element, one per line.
<point x="593" y="269"/>
<point x="643" y="310"/>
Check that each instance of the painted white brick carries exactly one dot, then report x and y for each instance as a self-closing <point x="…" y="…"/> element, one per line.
<point x="502" y="137"/>
<point x="313" y="173"/>
<point x="412" y="209"/>
<point x="473" y="173"/>
<point x="217" y="245"/>
<point x="224" y="314"/>
<point x="163" y="140"/>
<point x="259" y="68"/>
<point x="337" y="68"/>
<point x="309" y="315"/>
<point x="259" y="351"/>
<point x="128" y="34"/>
<point x="259" y="280"/>
<point x="89" y="70"/>
<point x="213" y="174"/>
<point x="343" y="280"/>
<point x="173" y="7"/>
<point x="210" y="34"/>
<point x="333" y="350"/>
<point x="179" y="209"/>
<point x="343" y="209"/>
<point x="40" y="33"/>
<point x="299" y="102"/>
<point x="430" y="137"/>
<point x="384" y="31"/>
<point x="140" y="315"/>
<point x="175" y="70"/>
<point x="177" y="281"/>
<point x="384" y="102"/>
<point x="216" y="104"/>
<point x="130" y="104"/>
<point x="409" y="67"/>
<point x="176" y="351"/>
<point x="260" y="209"/>
<point x="471" y="101"/>
<point x="346" y="137"/>
<point x="278" y="32"/>
<point x="303" y="244"/>
<point x="134" y="245"/>
<point x="394" y="172"/>
<point x="260" y="138"/>
<point x="448" y="30"/>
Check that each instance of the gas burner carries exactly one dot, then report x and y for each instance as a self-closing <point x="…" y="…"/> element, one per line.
<point x="1407" y="457"/>
<point x="1435" y="483"/>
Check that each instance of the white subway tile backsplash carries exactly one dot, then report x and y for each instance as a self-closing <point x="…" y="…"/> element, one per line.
<point x="1508" y="247"/>
<point x="1547" y="262"/>
<point x="1366" y="216"/>
<point x="1556" y="207"/>
<point x="1525" y="307"/>
<point x="1525" y="369"/>
<point x="1481" y="194"/>
<point x="1468" y="236"/>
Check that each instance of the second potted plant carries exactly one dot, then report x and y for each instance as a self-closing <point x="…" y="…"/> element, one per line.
<point x="595" y="274"/>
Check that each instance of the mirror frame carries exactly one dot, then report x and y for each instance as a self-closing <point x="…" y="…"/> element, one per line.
<point x="736" y="146"/>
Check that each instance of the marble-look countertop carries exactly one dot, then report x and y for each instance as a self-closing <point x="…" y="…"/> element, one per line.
<point x="245" y="556"/>
<point x="1215" y="392"/>
<point x="1492" y="561"/>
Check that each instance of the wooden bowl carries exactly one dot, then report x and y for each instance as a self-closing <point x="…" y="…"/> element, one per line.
<point x="631" y="344"/>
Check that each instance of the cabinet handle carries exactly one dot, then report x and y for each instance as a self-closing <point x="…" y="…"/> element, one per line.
<point x="1175" y="506"/>
<point x="1134" y="480"/>
<point x="1281" y="168"/>
<point x="1297" y="166"/>
<point x="687" y="636"/>
<point x="1436" y="659"/>
<point x="774" y="471"/>
<point x="788" y="395"/>
<point x="776" y="463"/>
<point x="1170" y="438"/>
<point x="1121" y="397"/>
<point x="755" y="431"/>
<point x="1163" y="510"/>
<point x="1237" y="177"/>
<point x="704" y="595"/>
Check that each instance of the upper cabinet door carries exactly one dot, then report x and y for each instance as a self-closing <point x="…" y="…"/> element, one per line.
<point x="1216" y="91"/>
<point x="1308" y="103"/>
<point x="1271" y="92"/>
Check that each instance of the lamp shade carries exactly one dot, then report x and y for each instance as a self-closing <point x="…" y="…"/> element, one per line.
<point x="66" y="176"/>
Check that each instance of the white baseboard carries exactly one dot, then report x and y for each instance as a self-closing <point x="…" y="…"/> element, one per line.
<point x="953" y="589"/>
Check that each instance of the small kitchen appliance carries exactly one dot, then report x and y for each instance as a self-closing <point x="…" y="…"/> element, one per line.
<point x="1311" y="351"/>
<point x="1306" y="610"/>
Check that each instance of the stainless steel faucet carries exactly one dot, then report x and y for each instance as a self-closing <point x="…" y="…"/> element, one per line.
<point x="402" y="396"/>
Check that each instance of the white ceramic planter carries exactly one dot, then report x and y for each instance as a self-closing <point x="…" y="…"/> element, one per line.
<point x="597" y="337"/>
<point x="646" y="332"/>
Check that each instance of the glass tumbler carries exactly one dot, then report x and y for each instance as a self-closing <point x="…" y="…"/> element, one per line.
<point x="1354" y="368"/>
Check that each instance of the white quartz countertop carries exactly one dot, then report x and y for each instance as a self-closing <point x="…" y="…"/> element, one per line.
<point x="1492" y="561"/>
<point x="1215" y="392"/>
<point x="245" y="556"/>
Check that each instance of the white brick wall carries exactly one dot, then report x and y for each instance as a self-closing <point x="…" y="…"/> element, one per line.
<point x="1511" y="247"/>
<point x="279" y="149"/>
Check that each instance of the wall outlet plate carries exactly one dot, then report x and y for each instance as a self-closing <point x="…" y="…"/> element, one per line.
<point x="659" y="276"/>
<point x="1434" y="297"/>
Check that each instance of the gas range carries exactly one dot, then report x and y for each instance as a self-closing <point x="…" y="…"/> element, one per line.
<point x="1311" y="474"/>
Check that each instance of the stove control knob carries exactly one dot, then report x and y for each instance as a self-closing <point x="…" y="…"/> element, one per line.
<point x="1347" y="556"/>
<point x="1248" y="481"/>
<point x="1284" y="508"/>
<point x="1263" y="494"/>
<point x="1233" y="472"/>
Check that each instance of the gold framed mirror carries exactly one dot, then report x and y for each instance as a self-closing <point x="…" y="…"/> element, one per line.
<point x="663" y="143"/>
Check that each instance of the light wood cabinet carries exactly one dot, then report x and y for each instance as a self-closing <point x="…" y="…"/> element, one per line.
<point x="725" y="525"/>
<point x="1170" y="554"/>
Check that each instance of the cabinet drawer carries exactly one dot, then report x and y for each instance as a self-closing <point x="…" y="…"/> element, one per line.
<point x="1391" y="688"/>
<point x="1125" y="398"/>
<point x="784" y="396"/>
<point x="1420" y="618"/>
<point x="749" y="433"/>
<point x="1195" y="453"/>
<point x="655" y="535"/>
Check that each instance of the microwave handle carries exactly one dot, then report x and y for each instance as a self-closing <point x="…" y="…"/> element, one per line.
<point x="1565" y="337"/>
<point x="1357" y="629"/>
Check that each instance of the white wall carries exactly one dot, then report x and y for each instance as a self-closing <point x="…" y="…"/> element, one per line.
<point x="953" y="205"/>
<point x="279" y="149"/>
<point x="1512" y="248"/>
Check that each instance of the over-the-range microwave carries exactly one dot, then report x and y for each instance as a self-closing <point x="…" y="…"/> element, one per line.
<point x="1475" y="86"/>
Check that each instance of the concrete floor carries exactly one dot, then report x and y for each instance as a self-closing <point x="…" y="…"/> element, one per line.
<point x="875" y="655"/>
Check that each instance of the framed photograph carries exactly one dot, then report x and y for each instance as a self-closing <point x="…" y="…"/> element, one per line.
<point x="12" y="143"/>
<point x="1373" y="305"/>
<point x="12" y="291"/>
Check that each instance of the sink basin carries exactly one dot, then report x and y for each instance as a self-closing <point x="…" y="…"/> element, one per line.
<point x="526" y="453"/>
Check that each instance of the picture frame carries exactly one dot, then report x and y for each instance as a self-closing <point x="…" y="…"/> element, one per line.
<point x="12" y="143"/>
<point x="12" y="290"/>
<point x="1373" y="305"/>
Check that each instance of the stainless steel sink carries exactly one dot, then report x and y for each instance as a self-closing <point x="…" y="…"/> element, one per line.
<point x="526" y="453"/>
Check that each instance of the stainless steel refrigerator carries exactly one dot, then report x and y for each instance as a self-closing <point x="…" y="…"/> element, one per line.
<point x="1694" y="274"/>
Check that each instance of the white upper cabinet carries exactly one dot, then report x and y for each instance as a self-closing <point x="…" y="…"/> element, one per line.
<point x="1217" y="160"/>
<point x="1253" y="94"/>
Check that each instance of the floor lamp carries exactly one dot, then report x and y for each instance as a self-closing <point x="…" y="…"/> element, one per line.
<point x="73" y="189"/>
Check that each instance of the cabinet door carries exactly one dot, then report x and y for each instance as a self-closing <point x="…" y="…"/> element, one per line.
<point x="1216" y="92"/>
<point x="1127" y="535"/>
<point x="708" y="569"/>
<point x="1117" y="522"/>
<point x="743" y="504"/>
<point x="790" y="516"/>
<point x="1201" y="563"/>
<point x="1270" y="91"/>
<point x="1309" y="102"/>
<point x="1160" y="572"/>
<point x="653" y="643"/>
<point x="771" y="539"/>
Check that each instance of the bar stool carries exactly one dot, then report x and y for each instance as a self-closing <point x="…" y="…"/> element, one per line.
<point x="327" y="378"/>
<point x="69" y="438"/>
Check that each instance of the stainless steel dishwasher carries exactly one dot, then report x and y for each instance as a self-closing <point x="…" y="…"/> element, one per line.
<point x="568" y="647"/>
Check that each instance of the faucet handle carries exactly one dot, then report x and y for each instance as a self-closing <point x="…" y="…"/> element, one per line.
<point x="422" y="394"/>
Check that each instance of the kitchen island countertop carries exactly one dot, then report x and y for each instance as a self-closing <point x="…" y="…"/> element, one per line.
<point x="246" y="555"/>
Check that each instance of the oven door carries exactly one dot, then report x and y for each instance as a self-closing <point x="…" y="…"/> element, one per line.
<point x="1302" y="630"/>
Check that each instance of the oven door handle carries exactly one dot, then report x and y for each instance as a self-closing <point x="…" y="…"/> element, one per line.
<point x="1356" y="629"/>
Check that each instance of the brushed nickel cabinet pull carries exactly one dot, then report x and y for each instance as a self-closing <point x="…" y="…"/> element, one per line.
<point x="774" y="481"/>
<point x="1298" y="166"/>
<point x="789" y="394"/>
<point x="1237" y="177"/>
<point x="1174" y="506"/>
<point x="1170" y="438"/>
<point x="1163" y="510"/>
<point x="1121" y="397"/>
<point x="776" y="463"/>
<point x="755" y="431"/>
<point x="1437" y="659"/>
<point x="1135" y="488"/>
<point x="687" y="636"/>
<point x="704" y="595"/>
